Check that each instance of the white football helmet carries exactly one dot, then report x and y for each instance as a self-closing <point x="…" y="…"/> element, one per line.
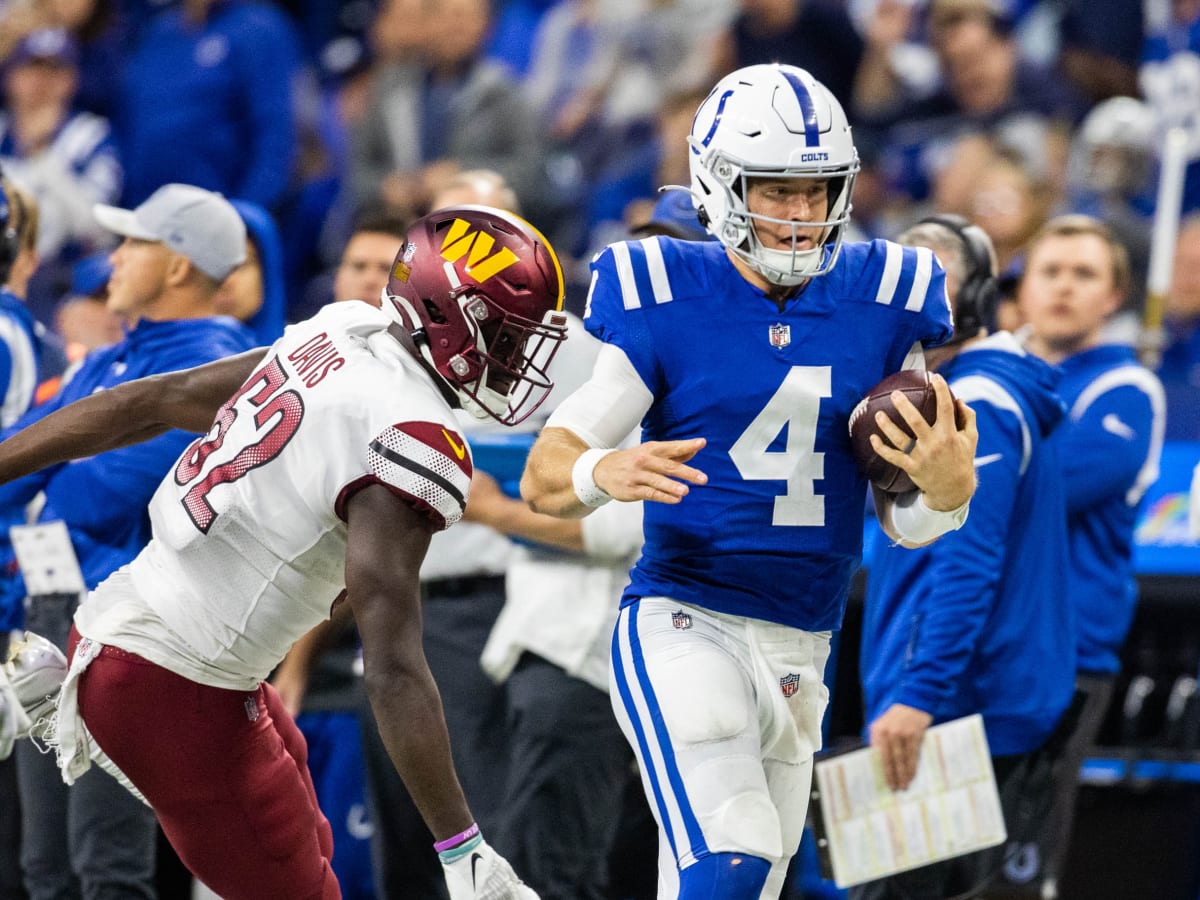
<point x="772" y="121"/>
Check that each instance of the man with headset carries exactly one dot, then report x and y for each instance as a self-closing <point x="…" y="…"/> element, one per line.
<point x="979" y="622"/>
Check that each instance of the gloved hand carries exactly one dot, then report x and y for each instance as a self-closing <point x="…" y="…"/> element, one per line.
<point x="35" y="670"/>
<point x="474" y="871"/>
<point x="14" y="723"/>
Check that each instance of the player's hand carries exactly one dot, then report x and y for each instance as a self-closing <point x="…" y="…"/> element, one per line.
<point x="656" y="470"/>
<point x="14" y="723"/>
<point x="487" y="502"/>
<point x="941" y="461"/>
<point x="897" y="735"/>
<point x="290" y="684"/>
<point x="477" y="872"/>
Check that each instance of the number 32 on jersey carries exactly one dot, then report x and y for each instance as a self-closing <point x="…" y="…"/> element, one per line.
<point x="276" y="412"/>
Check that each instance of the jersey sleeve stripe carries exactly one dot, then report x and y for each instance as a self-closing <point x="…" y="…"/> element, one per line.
<point x="629" y="291"/>
<point x="1146" y="382"/>
<point x="920" y="285"/>
<point x="411" y="467"/>
<point x="976" y="387"/>
<point x="891" y="274"/>
<point x="423" y="471"/>
<point x="659" y="281"/>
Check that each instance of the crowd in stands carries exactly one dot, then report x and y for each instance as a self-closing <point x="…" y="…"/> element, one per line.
<point x="999" y="110"/>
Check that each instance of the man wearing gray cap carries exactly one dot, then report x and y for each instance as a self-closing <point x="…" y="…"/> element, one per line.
<point x="176" y="250"/>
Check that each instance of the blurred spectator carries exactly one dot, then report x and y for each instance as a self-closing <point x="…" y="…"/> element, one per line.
<point x="254" y="293"/>
<point x="82" y="318"/>
<point x="207" y="100"/>
<point x="456" y="110"/>
<point x="816" y="35"/>
<point x="103" y="30"/>
<point x="622" y="195"/>
<point x="1180" y="370"/>
<point x="24" y="218"/>
<point x="986" y="88"/>
<point x="365" y="264"/>
<point x="999" y="193"/>
<point x="67" y="159"/>
<point x="1108" y="177"/>
<point x="515" y="21"/>
<point x="1168" y="78"/>
<point x="1077" y="277"/>
<point x="1101" y="44"/>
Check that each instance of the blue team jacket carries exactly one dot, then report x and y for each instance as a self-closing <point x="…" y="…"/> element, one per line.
<point x="1110" y="450"/>
<point x="103" y="499"/>
<point x="980" y="620"/>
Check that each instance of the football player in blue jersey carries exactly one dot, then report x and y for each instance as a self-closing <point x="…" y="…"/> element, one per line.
<point x="743" y="358"/>
<point x="1077" y="276"/>
<point x="979" y="622"/>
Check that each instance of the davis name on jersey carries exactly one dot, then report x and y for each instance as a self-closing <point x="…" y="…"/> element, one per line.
<point x="253" y="515"/>
<point x="777" y="531"/>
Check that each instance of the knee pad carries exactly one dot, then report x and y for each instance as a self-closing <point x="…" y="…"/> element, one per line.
<point x="724" y="876"/>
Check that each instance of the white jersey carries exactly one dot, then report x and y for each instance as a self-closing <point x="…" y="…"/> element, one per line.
<point x="249" y="543"/>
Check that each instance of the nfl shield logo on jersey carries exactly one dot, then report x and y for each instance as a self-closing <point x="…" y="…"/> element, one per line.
<point x="781" y="335"/>
<point x="789" y="684"/>
<point x="681" y="620"/>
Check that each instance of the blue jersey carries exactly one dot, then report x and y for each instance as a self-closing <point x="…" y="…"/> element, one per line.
<point x="979" y="621"/>
<point x="776" y="532"/>
<point x="1110" y="449"/>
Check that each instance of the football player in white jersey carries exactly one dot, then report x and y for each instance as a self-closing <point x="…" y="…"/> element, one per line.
<point x="742" y="361"/>
<point x="322" y="478"/>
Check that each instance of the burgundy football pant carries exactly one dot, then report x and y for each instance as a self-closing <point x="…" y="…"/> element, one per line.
<point x="226" y="772"/>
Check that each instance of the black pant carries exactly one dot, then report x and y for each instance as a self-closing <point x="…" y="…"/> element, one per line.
<point x="566" y="782"/>
<point x="458" y="617"/>
<point x="10" y="819"/>
<point x="1097" y="690"/>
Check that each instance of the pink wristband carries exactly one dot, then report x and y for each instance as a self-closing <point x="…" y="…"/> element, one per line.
<point x="461" y="838"/>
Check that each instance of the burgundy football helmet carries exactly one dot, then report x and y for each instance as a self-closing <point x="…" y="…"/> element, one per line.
<point x="481" y="292"/>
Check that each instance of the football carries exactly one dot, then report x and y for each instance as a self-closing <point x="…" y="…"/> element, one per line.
<point x="916" y="386"/>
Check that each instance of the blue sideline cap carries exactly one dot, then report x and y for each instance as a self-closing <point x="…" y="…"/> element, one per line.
<point x="674" y="216"/>
<point x="199" y="224"/>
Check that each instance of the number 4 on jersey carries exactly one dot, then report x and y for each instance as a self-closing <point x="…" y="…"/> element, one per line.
<point x="796" y="405"/>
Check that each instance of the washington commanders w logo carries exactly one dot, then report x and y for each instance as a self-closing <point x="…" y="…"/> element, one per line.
<point x="476" y="245"/>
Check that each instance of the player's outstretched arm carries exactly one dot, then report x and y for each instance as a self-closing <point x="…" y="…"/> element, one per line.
<point x="126" y="414"/>
<point x="386" y="543"/>
<point x="656" y="470"/>
<point x="490" y="506"/>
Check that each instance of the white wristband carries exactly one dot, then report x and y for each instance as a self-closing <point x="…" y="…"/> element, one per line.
<point x="589" y="493"/>
<point x="917" y="523"/>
